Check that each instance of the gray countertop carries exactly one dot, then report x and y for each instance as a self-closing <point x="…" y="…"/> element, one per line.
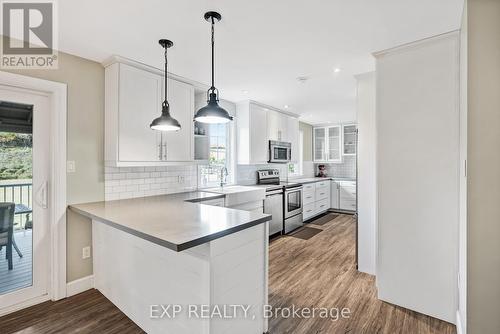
<point x="317" y="179"/>
<point x="176" y="221"/>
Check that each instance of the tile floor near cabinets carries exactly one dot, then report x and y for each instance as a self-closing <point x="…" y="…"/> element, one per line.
<point x="318" y="272"/>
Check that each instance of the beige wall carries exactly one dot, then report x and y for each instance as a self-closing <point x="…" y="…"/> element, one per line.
<point x="483" y="207"/>
<point x="308" y="136"/>
<point x="85" y="131"/>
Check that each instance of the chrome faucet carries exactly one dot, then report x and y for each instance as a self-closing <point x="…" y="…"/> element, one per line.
<point x="223" y="176"/>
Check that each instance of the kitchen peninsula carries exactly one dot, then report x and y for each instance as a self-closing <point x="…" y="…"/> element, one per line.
<point x="179" y="250"/>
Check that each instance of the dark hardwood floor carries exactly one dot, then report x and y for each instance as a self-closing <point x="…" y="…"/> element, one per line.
<point x="88" y="312"/>
<point x="319" y="272"/>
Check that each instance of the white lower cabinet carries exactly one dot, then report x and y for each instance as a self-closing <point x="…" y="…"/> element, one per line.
<point x="316" y="197"/>
<point x="334" y="195"/>
<point x="347" y="195"/>
<point x="322" y="206"/>
<point x="309" y="210"/>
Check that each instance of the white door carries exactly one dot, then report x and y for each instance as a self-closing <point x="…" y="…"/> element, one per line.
<point x="25" y="149"/>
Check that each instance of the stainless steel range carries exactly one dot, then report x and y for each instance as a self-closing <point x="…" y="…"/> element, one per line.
<point x="283" y="201"/>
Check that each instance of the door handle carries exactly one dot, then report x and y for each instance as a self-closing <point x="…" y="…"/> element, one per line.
<point x="42" y="195"/>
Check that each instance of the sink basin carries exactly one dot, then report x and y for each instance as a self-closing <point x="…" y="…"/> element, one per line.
<point x="236" y="195"/>
<point x="231" y="189"/>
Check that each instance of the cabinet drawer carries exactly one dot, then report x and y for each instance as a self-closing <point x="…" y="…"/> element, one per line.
<point x="309" y="197"/>
<point x="349" y="205"/>
<point x="322" y="193"/>
<point x="348" y="193"/>
<point x="322" y="184"/>
<point x="309" y="211"/>
<point x="309" y="187"/>
<point x="322" y="205"/>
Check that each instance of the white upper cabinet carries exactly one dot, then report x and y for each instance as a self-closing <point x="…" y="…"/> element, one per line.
<point x="133" y="98"/>
<point x="293" y="137"/>
<point x="319" y="144"/>
<point x="277" y="124"/>
<point x="334" y="145"/>
<point x="251" y="132"/>
<point x="256" y="125"/>
<point x="179" y="145"/>
<point x="349" y="139"/>
<point x="327" y="143"/>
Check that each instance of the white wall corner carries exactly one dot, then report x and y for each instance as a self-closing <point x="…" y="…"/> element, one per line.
<point x="80" y="285"/>
<point x="460" y="324"/>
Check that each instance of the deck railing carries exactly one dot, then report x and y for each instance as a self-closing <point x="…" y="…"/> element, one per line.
<point x="19" y="193"/>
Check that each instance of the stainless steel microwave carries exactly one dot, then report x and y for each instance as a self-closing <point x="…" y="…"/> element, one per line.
<point x="279" y="151"/>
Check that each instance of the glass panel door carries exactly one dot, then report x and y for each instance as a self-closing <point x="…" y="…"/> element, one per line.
<point x="24" y="176"/>
<point x="334" y="143"/>
<point x="319" y="144"/>
<point x="294" y="200"/>
<point x="280" y="153"/>
<point x="349" y="139"/>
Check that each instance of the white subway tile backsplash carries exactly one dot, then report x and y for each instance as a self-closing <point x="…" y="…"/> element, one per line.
<point x="345" y="169"/>
<point x="133" y="182"/>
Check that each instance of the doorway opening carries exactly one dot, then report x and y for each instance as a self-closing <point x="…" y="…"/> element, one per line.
<point x="16" y="196"/>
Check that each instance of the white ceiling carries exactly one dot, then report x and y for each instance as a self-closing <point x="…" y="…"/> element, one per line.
<point x="262" y="46"/>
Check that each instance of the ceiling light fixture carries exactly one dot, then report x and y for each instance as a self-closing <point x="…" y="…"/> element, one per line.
<point x="337" y="70"/>
<point x="212" y="112"/>
<point x="165" y="122"/>
<point x="244" y="91"/>
<point x="286" y="106"/>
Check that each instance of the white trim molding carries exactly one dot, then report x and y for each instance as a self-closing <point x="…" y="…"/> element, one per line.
<point x="79" y="285"/>
<point x="57" y="93"/>
<point x="460" y="325"/>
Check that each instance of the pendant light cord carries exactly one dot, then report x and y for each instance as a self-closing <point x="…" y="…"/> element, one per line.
<point x="213" y="66"/>
<point x="165" y="102"/>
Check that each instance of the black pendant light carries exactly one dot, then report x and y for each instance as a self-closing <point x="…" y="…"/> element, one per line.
<point x="212" y="112"/>
<point x="165" y="122"/>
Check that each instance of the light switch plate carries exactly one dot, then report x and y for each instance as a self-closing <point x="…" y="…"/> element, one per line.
<point x="70" y="166"/>
<point x="86" y="252"/>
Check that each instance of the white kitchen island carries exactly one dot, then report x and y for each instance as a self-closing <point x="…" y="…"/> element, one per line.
<point x="169" y="263"/>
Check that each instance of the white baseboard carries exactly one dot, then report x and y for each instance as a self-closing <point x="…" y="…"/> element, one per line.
<point x="77" y="286"/>
<point x="24" y="304"/>
<point x="460" y="323"/>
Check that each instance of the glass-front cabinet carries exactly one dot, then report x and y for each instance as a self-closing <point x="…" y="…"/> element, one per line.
<point x="350" y="137"/>
<point x="328" y="144"/>
<point x="319" y="144"/>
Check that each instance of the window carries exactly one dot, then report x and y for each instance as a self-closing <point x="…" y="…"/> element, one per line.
<point x="219" y="155"/>
<point x="296" y="169"/>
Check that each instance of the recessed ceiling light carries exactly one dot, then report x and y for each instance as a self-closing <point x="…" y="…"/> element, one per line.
<point x="244" y="91"/>
<point x="286" y="106"/>
<point x="337" y="70"/>
<point x="265" y="109"/>
<point x="302" y="79"/>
